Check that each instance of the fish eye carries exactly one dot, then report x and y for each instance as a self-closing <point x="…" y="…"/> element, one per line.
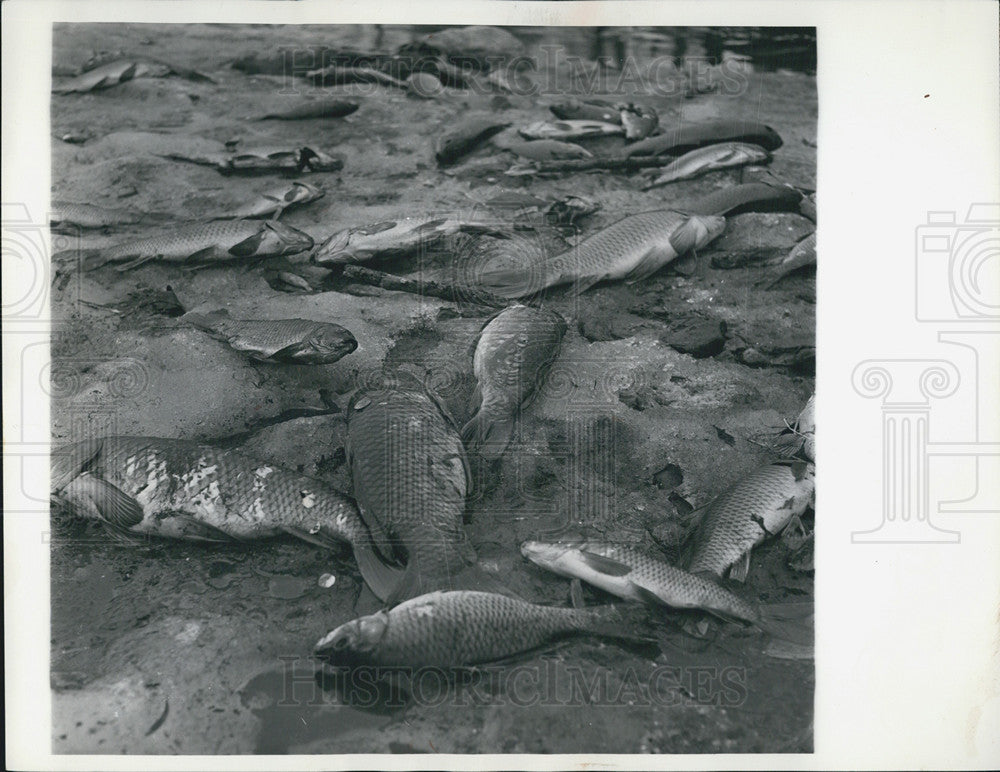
<point x="341" y="643"/>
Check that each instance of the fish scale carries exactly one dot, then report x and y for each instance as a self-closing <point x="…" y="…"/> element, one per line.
<point x="647" y="577"/>
<point x="447" y="629"/>
<point x="632" y="248"/>
<point x="214" y="240"/>
<point x="226" y="490"/>
<point x="758" y="506"/>
<point x="284" y="340"/>
<point x="410" y="478"/>
<point x="513" y="354"/>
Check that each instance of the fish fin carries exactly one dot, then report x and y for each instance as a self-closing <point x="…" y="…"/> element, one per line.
<point x="487" y="436"/>
<point x="651" y="262"/>
<point x="738" y="571"/>
<point x="90" y="259"/>
<point x="412" y="584"/>
<point x="115" y="506"/>
<point x="381" y="578"/>
<point x="205" y="322"/>
<point x="319" y="539"/>
<point x="584" y="283"/>
<point x="70" y="460"/>
<point x="476" y="400"/>
<point x="604" y="565"/>
<point x="507" y="283"/>
<point x="624" y="622"/>
<point x="645" y="595"/>
<point x="475" y="579"/>
<point x="248" y="246"/>
<point x="129" y="265"/>
<point x="576" y="594"/>
<point x="790" y="622"/>
<point x="202" y="531"/>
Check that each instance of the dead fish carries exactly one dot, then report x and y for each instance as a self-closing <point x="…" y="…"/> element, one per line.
<point x="632" y="574"/>
<point x="276" y="200"/>
<point x="513" y="354"/>
<point x="460" y="629"/>
<point x="801" y="255"/>
<point x="800" y="436"/>
<point x="268" y="160"/>
<point x="261" y="160"/>
<point x="476" y="46"/>
<point x="120" y="71"/>
<point x="411" y="477"/>
<point x="337" y="75"/>
<point x="202" y="243"/>
<point x="758" y="506"/>
<point x="808" y="207"/>
<point x="803" y="558"/>
<point x="681" y="139"/>
<point x="293" y="281"/>
<point x="569" y="129"/>
<point x="587" y="110"/>
<point x="393" y="237"/>
<point x="548" y="150"/>
<point x="66" y="215"/>
<point x="638" y="121"/>
<point x="101" y="77"/>
<point x="450" y="75"/>
<point x="562" y="211"/>
<point x="316" y="108"/>
<point x="724" y="155"/>
<point x="568" y="209"/>
<point x="150" y="486"/>
<point x="631" y="249"/>
<point x="288" y="341"/>
<point x="424" y="85"/>
<point x="465" y="138"/>
<point x="749" y="197"/>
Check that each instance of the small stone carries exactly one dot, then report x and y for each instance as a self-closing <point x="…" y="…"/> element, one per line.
<point x="327" y="580"/>
<point x="695" y="335"/>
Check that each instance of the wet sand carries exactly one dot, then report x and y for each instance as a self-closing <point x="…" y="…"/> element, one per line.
<point x="181" y="648"/>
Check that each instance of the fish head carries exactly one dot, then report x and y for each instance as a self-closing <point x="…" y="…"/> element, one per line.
<point x="352" y="642"/>
<point x="333" y="250"/>
<point x="280" y="239"/>
<point x="302" y="192"/>
<point x="554" y="556"/>
<point x="697" y="231"/>
<point x="332" y="342"/>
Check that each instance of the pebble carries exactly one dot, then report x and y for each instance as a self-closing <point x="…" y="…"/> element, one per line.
<point x="327" y="580"/>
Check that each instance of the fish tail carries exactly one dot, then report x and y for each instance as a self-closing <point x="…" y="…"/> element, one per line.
<point x="791" y="622"/>
<point x="511" y="283"/>
<point x="204" y="321"/>
<point x="627" y="622"/>
<point x="382" y="579"/>
<point x="487" y="435"/>
<point x="416" y="580"/>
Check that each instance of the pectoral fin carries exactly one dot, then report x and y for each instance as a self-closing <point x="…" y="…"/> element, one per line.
<point x="247" y="247"/>
<point x="115" y="507"/>
<point x="646" y="596"/>
<point x="605" y="565"/>
<point x="651" y="262"/>
<point x="738" y="571"/>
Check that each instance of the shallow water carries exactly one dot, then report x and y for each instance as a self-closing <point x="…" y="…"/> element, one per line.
<point x="184" y="648"/>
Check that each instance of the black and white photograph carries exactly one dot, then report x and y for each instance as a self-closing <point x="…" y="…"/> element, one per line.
<point x="450" y="388"/>
<point x="461" y="374"/>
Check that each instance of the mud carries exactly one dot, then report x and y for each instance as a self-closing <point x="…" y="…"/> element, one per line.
<point x="652" y="408"/>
